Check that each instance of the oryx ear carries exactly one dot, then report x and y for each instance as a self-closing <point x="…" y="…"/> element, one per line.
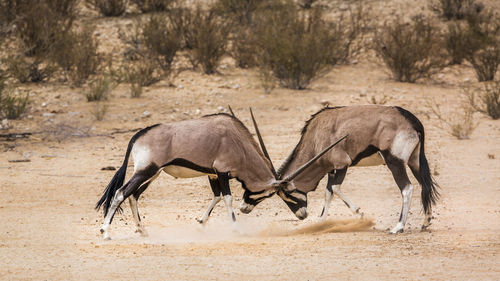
<point x="310" y="162"/>
<point x="262" y="145"/>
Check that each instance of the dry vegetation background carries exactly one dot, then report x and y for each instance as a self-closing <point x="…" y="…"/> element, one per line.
<point x="77" y="78"/>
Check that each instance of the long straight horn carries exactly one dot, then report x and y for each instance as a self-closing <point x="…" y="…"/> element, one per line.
<point x="231" y="110"/>
<point x="264" y="150"/>
<point x="306" y="165"/>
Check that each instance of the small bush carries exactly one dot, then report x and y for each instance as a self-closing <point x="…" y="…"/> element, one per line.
<point x="489" y="100"/>
<point x="28" y="69"/>
<point x="294" y="48"/>
<point x="84" y="57"/>
<point x="456" y="42"/>
<point x="456" y="9"/>
<point x="147" y="6"/>
<point x="143" y="74"/>
<point x="207" y="35"/>
<point x="39" y="24"/>
<point x="110" y="8"/>
<point x="162" y="39"/>
<point x="99" y="89"/>
<point x="243" y="48"/>
<point x="458" y="124"/>
<point x="483" y="44"/>
<point x="239" y="11"/>
<point x="411" y="51"/>
<point x="12" y="105"/>
<point x="99" y="110"/>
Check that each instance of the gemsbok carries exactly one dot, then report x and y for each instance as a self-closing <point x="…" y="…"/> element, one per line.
<point x="217" y="145"/>
<point x="377" y="134"/>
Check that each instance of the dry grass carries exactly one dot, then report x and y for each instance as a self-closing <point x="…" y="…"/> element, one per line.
<point x="460" y="124"/>
<point x="487" y="100"/>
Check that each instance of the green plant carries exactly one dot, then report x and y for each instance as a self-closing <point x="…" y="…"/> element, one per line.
<point x="147" y="6"/>
<point x="293" y="47"/>
<point x="110" y="8"/>
<point x="410" y="50"/>
<point x="489" y="99"/>
<point x="207" y="35"/>
<point x="99" y="89"/>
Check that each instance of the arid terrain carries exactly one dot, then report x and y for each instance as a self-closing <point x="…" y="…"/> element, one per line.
<point x="49" y="229"/>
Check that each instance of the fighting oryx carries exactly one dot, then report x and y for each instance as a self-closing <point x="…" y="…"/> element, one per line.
<point x="217" y="145"/>
<point x="377" y="135"/>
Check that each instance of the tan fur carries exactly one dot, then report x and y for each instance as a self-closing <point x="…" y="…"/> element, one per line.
<point x="219" y="142"/>
<point x="366" y="125"/>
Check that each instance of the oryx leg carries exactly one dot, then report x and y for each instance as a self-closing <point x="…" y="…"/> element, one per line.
<point x="214" y="184"/>
<point x="135" y="182"/>
<point x="397" y="167"/>
<point x="135" y="211"/>
<point x="414" y="164"/>
<point x="335" y="179"/>
<point x="226" y="194"/>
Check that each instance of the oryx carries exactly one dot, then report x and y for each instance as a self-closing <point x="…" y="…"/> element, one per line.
<point x="217" y="145"/>
<point x="377" y="134"/>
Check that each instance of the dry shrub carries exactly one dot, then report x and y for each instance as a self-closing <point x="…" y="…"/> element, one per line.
<point x="147" y="6"/>
<point x="83" y="58"/>
<point x="458" y="124"/>
<point x="207" y="35"/>
<point x="100" y="89"/>
<point x="410" y="50"/>
<point x="381" y="100"/>
<point x="109" y="8"/>
<point x="306" y="4"/>
<point x="294" y="47"/>
<point x="243" y="48"/>
<point x="455" y="9"/>
<point x="26" y="69"/>
<point x="99" y="110"/>
<point x="141" y="75"/>
<point x="483" y="44"/>
<point x="161" y="37"/>
<point x="12" y="103"/>
<point x="39" y="24"/>
<point x="489" y="99"/>
<point x="239" y="11"/>
<point x="456" y="42"/>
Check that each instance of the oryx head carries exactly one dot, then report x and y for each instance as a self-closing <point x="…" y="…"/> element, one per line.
<point x="295" y="199"/>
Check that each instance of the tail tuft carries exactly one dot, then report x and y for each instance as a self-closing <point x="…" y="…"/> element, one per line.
<point x="115" y="183"/>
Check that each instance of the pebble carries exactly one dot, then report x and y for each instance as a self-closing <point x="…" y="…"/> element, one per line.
<point x="4" y="125"/>
<point x="220" y="108"/>
<point x="48" y="114"/>
<point x="146" y="114"/>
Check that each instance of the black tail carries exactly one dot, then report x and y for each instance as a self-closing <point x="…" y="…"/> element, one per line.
<point x="429" y="186"/>
<point x="423" y="175"/>
<point x="119" y="177"/>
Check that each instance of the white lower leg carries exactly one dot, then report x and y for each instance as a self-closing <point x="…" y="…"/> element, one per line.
<point x="107" y="220"/>
<point x="350" y="205"/>
<point x="135" y="214"/>
<point x="205" y="217"/>
<point x="328" y="200"/>
<point x="406" y="194"/>
<point x="228" y="200"/>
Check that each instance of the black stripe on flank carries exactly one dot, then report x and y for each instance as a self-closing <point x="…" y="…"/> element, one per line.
<point x="369" y="151"/>
<point x="190" y="165"/>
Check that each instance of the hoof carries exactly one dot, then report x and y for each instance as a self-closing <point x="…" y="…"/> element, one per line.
<point x="107" y="238"/>
<point x="397" y="231"/>
<point x="101" y="230"/>
<point x="424" y="227"/>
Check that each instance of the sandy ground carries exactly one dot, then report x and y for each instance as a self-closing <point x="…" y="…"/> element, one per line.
<point x="49" y="229"/>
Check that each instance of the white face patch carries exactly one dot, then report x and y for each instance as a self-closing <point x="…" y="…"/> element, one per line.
<point x="141" y="156"/>
<point x="403" y="145"/>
